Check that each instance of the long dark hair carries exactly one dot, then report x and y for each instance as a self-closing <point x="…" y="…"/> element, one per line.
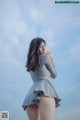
<point x="32" y="57"/>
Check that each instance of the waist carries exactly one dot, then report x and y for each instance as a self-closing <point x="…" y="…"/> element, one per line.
<point x="39" y="79"/>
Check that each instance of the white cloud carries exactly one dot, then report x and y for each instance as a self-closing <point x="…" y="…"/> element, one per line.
<point x="35" y="14"/>
<point x="11" y="24"/>
<point x="9" y="9"/>
<point x="48" y="36"/>
<point x="16" y="28"/>
<point x="14" y="41"/>
<point x="5" y="49"/>
<point x="12" y="28"/>
<point x="6" y="54"/>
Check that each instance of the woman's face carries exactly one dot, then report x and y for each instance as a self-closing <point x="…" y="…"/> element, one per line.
<point x="41" y="48"/>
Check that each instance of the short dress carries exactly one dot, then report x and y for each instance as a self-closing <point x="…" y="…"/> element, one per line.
<point x="41" y="84"/>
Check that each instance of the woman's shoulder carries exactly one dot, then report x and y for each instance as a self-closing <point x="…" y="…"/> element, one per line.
<point x="43" y="58"/>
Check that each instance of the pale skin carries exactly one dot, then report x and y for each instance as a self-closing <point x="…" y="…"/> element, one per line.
<point x="46" y="107"/>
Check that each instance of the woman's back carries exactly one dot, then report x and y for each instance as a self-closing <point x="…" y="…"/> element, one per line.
<point x="44" y="69"/>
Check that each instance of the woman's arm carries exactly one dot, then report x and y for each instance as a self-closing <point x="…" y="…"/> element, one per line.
<point x="49" y="54"/>
<point x="45" y="59"/>
<point x="50" y="66"/>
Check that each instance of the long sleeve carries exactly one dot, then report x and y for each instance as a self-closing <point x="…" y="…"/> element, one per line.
<point x="45" y="59"/>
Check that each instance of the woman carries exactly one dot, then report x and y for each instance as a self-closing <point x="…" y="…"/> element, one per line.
<point x="42" y="98"/>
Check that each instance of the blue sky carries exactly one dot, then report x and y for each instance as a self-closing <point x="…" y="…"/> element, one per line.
<point x="59" y="25"/>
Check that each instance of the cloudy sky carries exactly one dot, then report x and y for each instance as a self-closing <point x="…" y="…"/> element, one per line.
<point x="59" y="25"/>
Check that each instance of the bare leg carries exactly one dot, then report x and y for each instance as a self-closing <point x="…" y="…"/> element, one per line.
<point x="33" y="112"/>
<point x="46" y="108"/>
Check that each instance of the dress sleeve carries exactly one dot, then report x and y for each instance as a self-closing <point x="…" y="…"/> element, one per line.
<point x="45" y="59"/>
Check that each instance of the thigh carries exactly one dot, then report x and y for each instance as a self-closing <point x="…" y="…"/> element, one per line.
<point x="33" y="112"/>
<point x="46" y="108"/>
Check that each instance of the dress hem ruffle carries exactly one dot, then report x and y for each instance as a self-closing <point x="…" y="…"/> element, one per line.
<point x="36" y="100"/>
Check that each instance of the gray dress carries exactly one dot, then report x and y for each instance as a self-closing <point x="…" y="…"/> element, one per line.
<point x="42" y="85"/>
